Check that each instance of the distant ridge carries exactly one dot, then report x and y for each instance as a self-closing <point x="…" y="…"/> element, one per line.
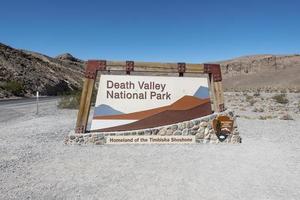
<point x="264" y="72"/>
<point x="202" y="92"/>
<point x="104" y="109"/>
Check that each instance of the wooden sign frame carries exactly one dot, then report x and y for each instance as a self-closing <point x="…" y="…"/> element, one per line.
<point x="94" y="66"/>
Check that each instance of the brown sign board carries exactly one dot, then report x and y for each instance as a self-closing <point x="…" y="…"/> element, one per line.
<point x="223" y="123"/>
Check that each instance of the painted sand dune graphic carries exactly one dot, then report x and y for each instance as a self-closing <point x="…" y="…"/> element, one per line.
<point x="184" y="103"/>
<point x="184" y="109"/>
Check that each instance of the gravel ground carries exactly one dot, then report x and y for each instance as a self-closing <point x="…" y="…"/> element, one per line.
<point x="35" y="164"/>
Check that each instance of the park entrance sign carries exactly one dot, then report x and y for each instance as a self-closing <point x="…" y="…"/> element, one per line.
<point x="143" y="102"/>
<point x="139" y="102"/>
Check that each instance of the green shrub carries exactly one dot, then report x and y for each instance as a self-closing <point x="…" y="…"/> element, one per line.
<point x="250" y="100"/>
<point x="14" y="87"/>
<point x="280" y="98"/>
<point x="71" y="100"/>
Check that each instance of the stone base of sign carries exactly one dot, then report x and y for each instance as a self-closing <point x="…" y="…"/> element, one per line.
<point x="201" y="128"/>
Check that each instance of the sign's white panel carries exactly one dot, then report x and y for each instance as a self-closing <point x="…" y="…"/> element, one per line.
<point x="138" y="102"/>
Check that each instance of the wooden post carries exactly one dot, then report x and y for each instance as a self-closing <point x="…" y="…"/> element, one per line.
<point x="85" y="104"/>
<point x="215" y="77"/>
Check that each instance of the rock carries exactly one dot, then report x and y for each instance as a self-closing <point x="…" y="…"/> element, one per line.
<point x="174" y="127"/>
<point x="154" y="131"/>
<point x="235" y="139"/>
<point x="186" y="131"/>
<point x="207" y="137"/>
<point x="200" y="135"/>
<point x="201" y="130"/>
<point x="128" y="133"/>
<point x="147" y="132"/>
<point x="140" y="133"/>
<point x="72" y="137"/>
<point x="214" y="137"/>
<point x="206" y="131"/>
<point x="162" y="131"/>
<point x="181" y="126"/>
<point x="169" y="132"/>
<point x="231" y="113"/>
<point x="100" y="142"/>
<point x="91" y="140"/>
<point x="235" y="131"/>
<point x="177" y="133"/>
<point x="205" y="141"/>
<point x="190" y="124"/>
<point x="193" y="132"/>
<point x="195" y="127"/>
<point x="196" y="122"/>
<point x="203" y="124"/>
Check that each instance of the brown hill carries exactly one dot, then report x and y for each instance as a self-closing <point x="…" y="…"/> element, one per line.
<point x="164" y="118"/>
<point x="184" y="103"/>
<point x="262" y="72"/>
<point x="32" y="71"/>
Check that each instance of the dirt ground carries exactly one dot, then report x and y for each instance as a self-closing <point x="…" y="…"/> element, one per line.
<point x="35" y="164"/>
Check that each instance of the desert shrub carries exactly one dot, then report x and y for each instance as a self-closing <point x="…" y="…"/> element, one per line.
<point x="14" y="87"/>
<point x="250" y="100"/>
<point x="248" y="97"/>
<point x="258" y="110"/>
<point x="71" y="100"/>
<point x="256" y="94"/>
<point x="286" y="117"/>
<point x="280" y="98"/>
<point x="265" y="117"/>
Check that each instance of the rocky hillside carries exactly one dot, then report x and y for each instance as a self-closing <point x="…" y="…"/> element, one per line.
<point x="267" y="72"/>
<point x="24" y="72"/>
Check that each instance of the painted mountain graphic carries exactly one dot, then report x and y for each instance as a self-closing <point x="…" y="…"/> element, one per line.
<point x="184" y="103"/>
<point x="202" y="92"/>
<point x="104" y="109"/>
<point x="184" y="109"/>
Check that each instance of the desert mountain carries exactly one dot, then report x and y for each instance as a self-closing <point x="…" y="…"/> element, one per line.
<point x="29" y="71"/>
<point x="185" y="103"/>
<point x="267" y="72"/>
<point x="23" y="72"/>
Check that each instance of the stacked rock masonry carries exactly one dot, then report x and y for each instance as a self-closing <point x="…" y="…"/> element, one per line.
<point x="201" y="128"/>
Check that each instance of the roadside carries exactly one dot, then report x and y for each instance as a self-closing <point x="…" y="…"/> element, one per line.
<point x="35" y="164"/>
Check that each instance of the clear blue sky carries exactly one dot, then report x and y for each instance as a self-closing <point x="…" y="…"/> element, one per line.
<point x="189" y="31"/>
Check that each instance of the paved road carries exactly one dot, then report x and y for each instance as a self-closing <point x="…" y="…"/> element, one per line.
<point x="25" y="101"/>
<point x="14" y="108"/>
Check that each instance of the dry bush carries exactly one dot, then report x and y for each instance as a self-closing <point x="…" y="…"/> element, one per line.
<point x="286" y="117"/>
<point x="265" y="117"/>
<point x="72" y="100"/>
<point x="13" y="87"/>
<point x="280" y="98"/>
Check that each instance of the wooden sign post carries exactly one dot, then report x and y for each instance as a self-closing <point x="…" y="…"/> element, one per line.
<point x="95" y="66"/>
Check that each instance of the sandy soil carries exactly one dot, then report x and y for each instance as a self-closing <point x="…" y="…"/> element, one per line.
<point x="35" y="164"/>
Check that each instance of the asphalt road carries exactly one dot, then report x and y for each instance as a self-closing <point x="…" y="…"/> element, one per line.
<point x="26" y="101"/>
<point x="14" y="108"/>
